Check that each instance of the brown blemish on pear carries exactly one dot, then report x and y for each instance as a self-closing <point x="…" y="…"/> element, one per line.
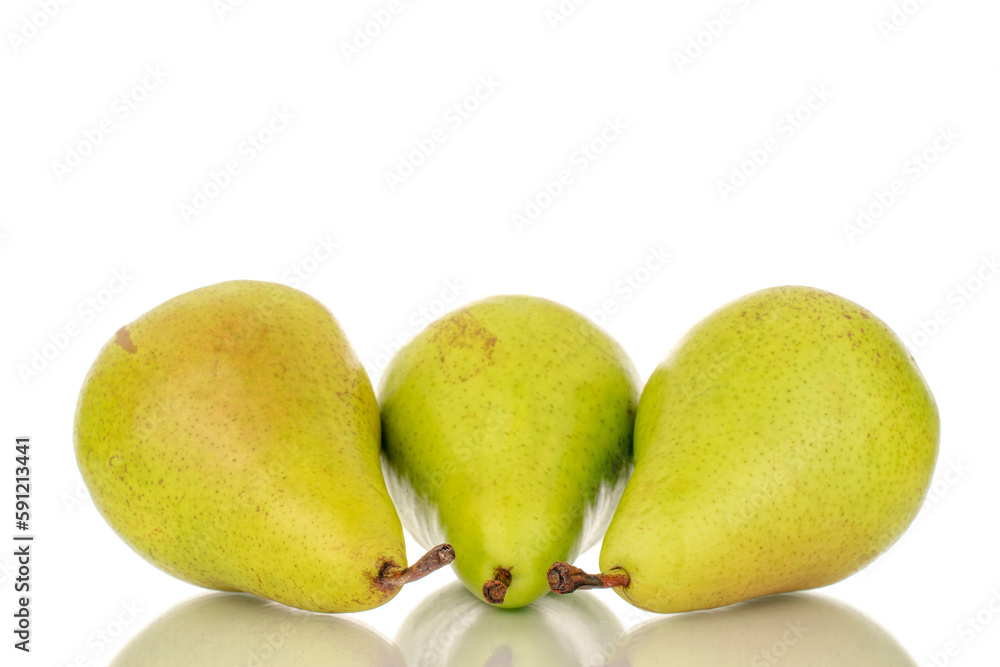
<point x="124" y="340"/>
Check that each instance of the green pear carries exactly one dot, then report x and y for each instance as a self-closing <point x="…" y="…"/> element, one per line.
<point x="507" y="428"/>
<point x="451" y="628"/>
<point x="784" y="444"/>
<point x="230" y="436"/>
<point x="234" y="629"/>
<point x="794" y="630"/>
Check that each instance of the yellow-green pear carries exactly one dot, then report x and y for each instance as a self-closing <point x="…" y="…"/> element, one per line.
<point x="230" y="629"/>
<point x="230" y="436"/>
<point x="783" y="445"/>
<point x="507" y="429"/>
<point x="793" y="630"/>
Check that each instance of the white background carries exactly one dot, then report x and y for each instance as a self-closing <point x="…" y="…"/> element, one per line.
<point x="888" y="92"/>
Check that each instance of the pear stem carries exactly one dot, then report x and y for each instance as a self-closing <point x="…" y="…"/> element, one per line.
<point x="495" y="590"/>
<point x="565" y="578"/>
<point x="435" y="559"/>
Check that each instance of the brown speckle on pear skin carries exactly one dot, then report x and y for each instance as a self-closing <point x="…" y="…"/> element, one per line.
<point x="465" y="335"/>
<point x="463" y="330"/>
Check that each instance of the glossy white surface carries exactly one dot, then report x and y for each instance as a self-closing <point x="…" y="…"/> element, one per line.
<point x="634" y="232"/>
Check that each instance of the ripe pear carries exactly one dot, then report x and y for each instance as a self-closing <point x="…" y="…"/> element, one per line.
<point x="230" y="436"/>
<point x="234" y="629"/>
<point x="784" y="444"/>
<point x="451" y="628"/>
<point x="793" y="630"/>
<point x="507" y="429"/>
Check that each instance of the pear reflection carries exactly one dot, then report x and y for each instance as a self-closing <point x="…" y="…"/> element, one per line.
<point x="451" y="628"/>
<point x="234" y="629"/>
<point x="796" y="630"/>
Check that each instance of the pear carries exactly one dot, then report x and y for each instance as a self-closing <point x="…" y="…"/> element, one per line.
<point x="793" y="630"/>
<point x="451" y="628"/>
<point x="230" y="436"/>
<point x="786" y="442"/>
<point x="236" y="629"/>
<point x="507" y="431"/>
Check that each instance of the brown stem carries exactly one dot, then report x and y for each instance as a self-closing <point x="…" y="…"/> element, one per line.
<point x="495" y="590"/>
<point x="566" y="578"/>
<point x="436" y="558"/>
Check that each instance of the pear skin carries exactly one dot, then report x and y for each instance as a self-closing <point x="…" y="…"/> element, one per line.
<point x="230" y="436"/>
<point x="507" y="428"/>
<point x="787" y="442"/>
